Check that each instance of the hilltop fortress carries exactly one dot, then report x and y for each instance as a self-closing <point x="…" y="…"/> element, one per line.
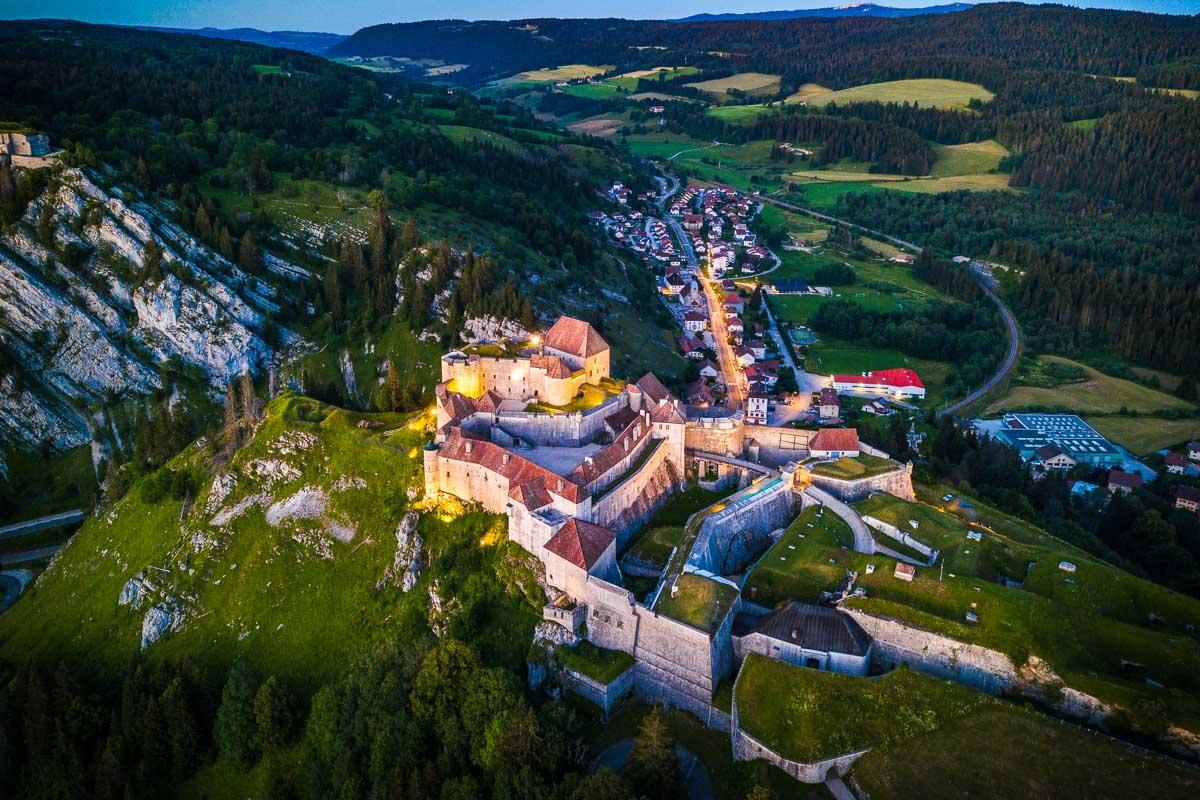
<point x="579" y="462"/>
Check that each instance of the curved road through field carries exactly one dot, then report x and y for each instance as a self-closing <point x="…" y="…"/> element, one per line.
<point x="1010" y="322"/>
<point x="864" y="542"/>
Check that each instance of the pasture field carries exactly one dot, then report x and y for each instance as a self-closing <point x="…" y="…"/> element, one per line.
<point x="1145" y="435"/>
<point x="1084" y="124"/>
<point x="748" y="82"/>
<point x="739" y="113"/>
<point x="800" y="226"/>
<point x="926" y="92"/>
<point x="975" y="183"/>
<point x="1097" y="394"/>
<point x="629" y="80"/>
<point x="592" y="91"/>
<point x="268" y="69"/>
<point x="807" y="92"/>
<point x="972" y="158"/>
<point x="823" y="195"/>
<point x="602" y="126"/>
<point x="567" y="72"/>
<point x="461" y="134"/>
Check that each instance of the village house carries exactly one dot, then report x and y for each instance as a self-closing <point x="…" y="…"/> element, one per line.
<point x="694" y="321"/>
<point x="1187" y="498"/>
<point x="756" y="408"/>
<point x="880" y="407"/>
<point x="745" y="356"/>
<point x="1175" y="463"/>
<point x="673" y="284"/>
<point x="736" y="329"/>
<point x="734" y="302"/>
<point x="1123" y="482"/>
<point x="830" y="405"/>
<point x="693" y="222"/>
<point x="835" y="443"/>
<point x="1053" y="457"/>
<point x="1194" y="450"/>
<point x="757" y="348"/>
<point x="699" y="393"/>
<point x="708" y="369"/>
<point x="691" y="347"/>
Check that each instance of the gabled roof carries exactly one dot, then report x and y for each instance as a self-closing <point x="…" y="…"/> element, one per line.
<point x="576" y="337"/>
<point x="829" y="397"/>
<point x="835" y="439"/>
<point x="653" y="389"/>
<point x="1175" y="460"/>
<point x="554" y="366"/>
<point x="1129" y="480"/>
<point x="1048" y="451"/>
<point x="581" y="543"/>
<point x="1188" y="494"/>
<point x="509" y="465"/>
<point x="489" y="402"/>
<point x="531" y="494"/>
<point x="883" y="377"/>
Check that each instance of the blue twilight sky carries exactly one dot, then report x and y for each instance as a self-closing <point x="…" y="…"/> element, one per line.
<point x="347" y="16"/>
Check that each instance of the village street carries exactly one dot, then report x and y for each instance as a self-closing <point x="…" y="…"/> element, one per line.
<point x="735" y="379"/>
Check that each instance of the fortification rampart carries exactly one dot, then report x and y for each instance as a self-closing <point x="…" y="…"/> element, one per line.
<point x="778" y="446"/>
<point x="627" y="505"/>
<point x="604" y="695"/>
<point x="901" y="536"/>
<point x="730" y="538"/>
<point x="898" y="482"/>
<point x="560" y="430"/>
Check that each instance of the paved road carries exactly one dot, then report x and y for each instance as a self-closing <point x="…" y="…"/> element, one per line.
<point x="41" y="523"/>
<point x="1010" y="322"/>
<point x="807" y="382"/>
<point x="1010" y="358"/>
<point x="863" y="541"/>
<point x="736" y="389"/>
<point x="31" y="555"/>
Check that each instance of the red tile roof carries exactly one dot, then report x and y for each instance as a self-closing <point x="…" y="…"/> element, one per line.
<point x="1122" y="479"/>
<point x="829" y="397"/>
<point x="835" y="439"/>
<point x="600" y="462"/>
<point x="581" y="543"/>
<point x="515" y="469"/>
<point x="489" y="402"/>
<point x="554" y="366"/>
<point x="653" y="389"/>
<point x="531" y="494"/>
<point x="576" y="337"/>
<point x="1175" y="460"/>
<point x="883" y="377"/>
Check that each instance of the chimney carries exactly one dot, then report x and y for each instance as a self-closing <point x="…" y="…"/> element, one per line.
<point x="470" y="446"/>
<point x="561" y="484"/>
<point x="626" y="442"/>
<point x="795" y="633"/>
<point x="507" y="457"/>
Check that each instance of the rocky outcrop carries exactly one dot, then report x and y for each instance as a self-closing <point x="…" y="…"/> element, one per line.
<point x="83" y="328"/>
<point x="406" y="566"/>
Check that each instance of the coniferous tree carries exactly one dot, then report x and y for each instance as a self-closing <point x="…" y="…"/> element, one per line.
<point x="236" y="729"/>
<point x="231" y="428"/>
<point x="249" y="258"/>
<point x="652" y="763"/>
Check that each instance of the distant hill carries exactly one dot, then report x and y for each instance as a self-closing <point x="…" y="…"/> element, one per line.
<point x="304" y="41"/>
<point x="851" y="10"/>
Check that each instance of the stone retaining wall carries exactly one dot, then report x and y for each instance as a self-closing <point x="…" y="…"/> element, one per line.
<point x="730" y="538"/>
<point x="605" y="696"/>
<point x="901" y="536"/>
<point x="898" y="482"/>
<point x="560" y="430"/>
<point x="626" y="506"/>
<point x="933" y="654"/>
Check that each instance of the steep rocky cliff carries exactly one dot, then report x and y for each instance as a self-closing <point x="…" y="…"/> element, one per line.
<point x="82" y="323"/>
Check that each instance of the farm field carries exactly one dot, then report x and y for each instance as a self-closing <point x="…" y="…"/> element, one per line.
<point x="1097" y="394"/>
<point x="601" y="126"/>
<point x="965" y="166"/>
<point x="926" y="92"/>
<point x="807" y="92"/>
<point x="1143" y="435"/>
<point x="567" y="72"/>
<point x="461" y="134"/>
<point x="748" y="82"/>
<point x="823" y="195"/>
<point x="1076" y="623"/>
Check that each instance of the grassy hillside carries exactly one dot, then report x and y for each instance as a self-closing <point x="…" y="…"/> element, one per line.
<point x="1083" y="624"/>
<point x="917" y="726"/>
<point x="296" y="598"/>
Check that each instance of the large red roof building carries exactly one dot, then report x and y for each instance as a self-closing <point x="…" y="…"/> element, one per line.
<point x="896" y="383"/>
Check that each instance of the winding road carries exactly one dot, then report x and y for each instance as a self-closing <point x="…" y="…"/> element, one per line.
<point x="864" y="542"/>
<point x="1010" y="322"/>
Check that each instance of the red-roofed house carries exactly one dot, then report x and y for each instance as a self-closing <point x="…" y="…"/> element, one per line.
<point x="1187" y="498"/>
<point x="899" y="383"/>
<point x="1123" y="482"/>
<point x="1175" y="463"/>
<point x="835" y="443"/>
<point x="695" y="321"/>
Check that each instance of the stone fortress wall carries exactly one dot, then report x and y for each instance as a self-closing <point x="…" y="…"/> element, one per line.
<point x="898" y="482"/>
<point x="627" y="505"/>
<point x="559" y="430"/>
<point x="729" y="538"/>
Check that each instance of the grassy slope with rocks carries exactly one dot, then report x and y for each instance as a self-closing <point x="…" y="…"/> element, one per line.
<point x="292" y="599"/>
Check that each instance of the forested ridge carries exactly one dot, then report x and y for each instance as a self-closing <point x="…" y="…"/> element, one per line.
<point x="975" y="45"/>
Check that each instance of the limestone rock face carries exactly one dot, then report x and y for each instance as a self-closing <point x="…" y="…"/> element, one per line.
<point x="160" y="619"/>
<point x="409" y="560"/>
<point x="84" y="327"/>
